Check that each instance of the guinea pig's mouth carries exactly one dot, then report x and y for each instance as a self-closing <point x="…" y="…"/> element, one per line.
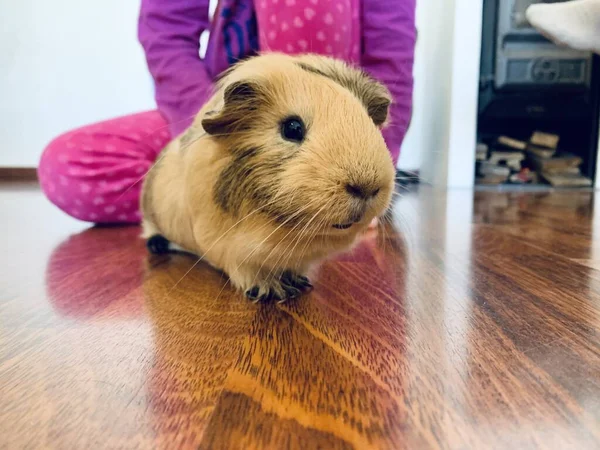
<point x="343" y="226"/>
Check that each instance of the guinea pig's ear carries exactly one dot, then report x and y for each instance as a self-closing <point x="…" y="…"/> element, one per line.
<point x="377" y="100"/>
<point x="374" y="95"/>
<point x="241" y="102"/>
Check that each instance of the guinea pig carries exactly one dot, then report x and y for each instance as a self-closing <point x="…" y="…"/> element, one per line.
<point x="283" y="167"/>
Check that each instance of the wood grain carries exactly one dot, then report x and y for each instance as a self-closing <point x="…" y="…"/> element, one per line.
<point x="472" y="321"/>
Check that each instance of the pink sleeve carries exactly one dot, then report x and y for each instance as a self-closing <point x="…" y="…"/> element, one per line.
<point x="389" y="37"/>
<point x="169" y="31"/>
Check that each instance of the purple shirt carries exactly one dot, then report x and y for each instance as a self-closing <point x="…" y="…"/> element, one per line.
<point x="169" y="31"/>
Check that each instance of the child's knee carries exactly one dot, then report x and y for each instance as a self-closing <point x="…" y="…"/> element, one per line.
<point x="51" y="154"/>
<point x="57" y="179"/>
<point x="52" y="166"/>
<point x="77" y="177"/>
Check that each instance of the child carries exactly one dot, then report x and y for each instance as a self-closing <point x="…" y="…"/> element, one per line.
<point x="94" y="173"/>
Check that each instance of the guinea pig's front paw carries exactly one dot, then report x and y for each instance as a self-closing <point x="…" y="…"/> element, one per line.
<point x="288" y="286"/>
<point x="157" y="245"/>
<point x="296" y="281"/>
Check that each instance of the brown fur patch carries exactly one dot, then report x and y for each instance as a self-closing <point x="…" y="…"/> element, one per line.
<point x="243" y="100"/>
<point x="252" y="178"/>
<point x="314" y="70"/>
<point x="374" y="95"/>
<point x="239" y="181"/>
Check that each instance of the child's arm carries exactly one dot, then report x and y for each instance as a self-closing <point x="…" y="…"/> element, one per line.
<point x="169" y="31"/>
<point x="389" y="37"/>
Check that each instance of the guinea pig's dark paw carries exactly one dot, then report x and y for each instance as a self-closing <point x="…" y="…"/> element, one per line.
<point x="252" y="293"/>
<point x="157" y="245"/>
<point x="291" y="280"/>
<point x="286" y="287"/>
<point x="256" y="294"/>
<point x="290" y="292"/>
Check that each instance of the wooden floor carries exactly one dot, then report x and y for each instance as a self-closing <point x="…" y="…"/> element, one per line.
<point x="474" y="323"/>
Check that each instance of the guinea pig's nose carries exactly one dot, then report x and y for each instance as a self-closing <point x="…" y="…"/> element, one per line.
<point x="362" y="192"/>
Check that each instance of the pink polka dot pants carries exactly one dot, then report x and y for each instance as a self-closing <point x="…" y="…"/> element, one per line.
<point x="95" y="173"/>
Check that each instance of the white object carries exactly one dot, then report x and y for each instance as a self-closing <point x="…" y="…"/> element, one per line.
<point x="63" y="64"/>
<point x="451" y="46"/>
<point x="575" y="24"/>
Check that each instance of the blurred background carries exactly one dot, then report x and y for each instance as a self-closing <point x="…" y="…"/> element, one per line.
<point x="68" y="63"/>
<point x="63" y="64"/>
<point x="481" y="73"/>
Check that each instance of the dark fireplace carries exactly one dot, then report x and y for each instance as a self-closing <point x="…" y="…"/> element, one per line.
<point x="529" y="85"/>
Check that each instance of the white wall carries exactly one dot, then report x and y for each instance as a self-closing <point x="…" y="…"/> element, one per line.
<point x="66" y="63"/>
<point x="441" y="139"/>
<point x="434" y="101"/>
<point x="411" y="156"/>
<point x="458" y="170"/>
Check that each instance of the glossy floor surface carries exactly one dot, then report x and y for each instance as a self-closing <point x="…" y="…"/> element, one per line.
<point x="472" y="323"/>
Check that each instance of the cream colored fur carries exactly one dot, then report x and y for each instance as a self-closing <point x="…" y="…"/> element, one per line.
<point x="306" y="181"/>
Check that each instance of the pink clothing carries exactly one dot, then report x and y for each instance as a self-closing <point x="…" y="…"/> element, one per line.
<point x="170" y="31"/>
<point x="95" y="173"/>
<point x="292" y="26"/>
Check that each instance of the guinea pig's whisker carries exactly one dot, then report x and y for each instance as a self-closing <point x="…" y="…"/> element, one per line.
<point x="405" y="227"/>
<point x="305" y="230"/>
<point x="269" y="254"/>
<point x="324" y="224"/>
<point x="192" y="142"/>
<point x="400" y="195"/>
<point x="219" y="239"/>
<point x="308" y="239"/>
<point x="296" y="240"/>
<point x="397" y="126"/>
<point x="300" y="235"/>
<point x="402" y="188"/>
<point x="280" y="241"/>
<point x="155" y="130"/>
<point x="314" y="233"/>
<point x="222" y="289"/>
<point x="411" y="172"/>
<point x="290" y="243"/>
<point x="288" y="254"/>
<point x="383" y="224"/>
<point x="272" y="233"/>
<point x="321" y="227"/>
<point x="280" y="194"/>
<point x="283" y="253"/>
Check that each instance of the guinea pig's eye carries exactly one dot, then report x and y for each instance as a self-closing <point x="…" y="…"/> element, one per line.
<point x="292" y="129"/>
